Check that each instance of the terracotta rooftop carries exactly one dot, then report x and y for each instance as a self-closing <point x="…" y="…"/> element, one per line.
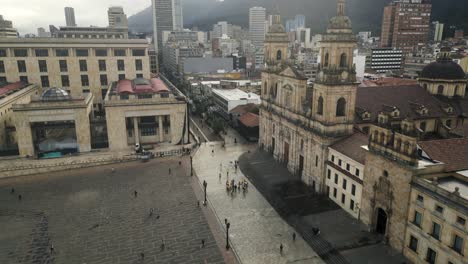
<point x="8" y="88"/>
<point x="242" y="109"/>
<point x="250" y="120"/>
<point x="452" y="152"/>
<point x="352" y="146"/>
<point x="390" y="81"/>
<point x="140" y="85"/>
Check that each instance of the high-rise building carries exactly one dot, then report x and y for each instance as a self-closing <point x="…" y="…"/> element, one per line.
<point x="167" y="16"/>
<point x="42" y="33"/>
<point x="459" y="34"/>
<point x="222" y="28"/>
<point x="257" y="17"/>
<point x="300" y="21"/>
<point x="70" y="17"/>
<point x="436" y="32"/>
<point x="117" y="17"/>
<point x="6" y="29"/>
<point x="405" y="24"/>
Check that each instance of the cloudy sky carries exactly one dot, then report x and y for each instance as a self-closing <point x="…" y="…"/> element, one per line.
<point x="28" y="15"/>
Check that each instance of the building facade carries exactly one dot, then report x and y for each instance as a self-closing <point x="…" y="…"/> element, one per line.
<point x="117" y="17"/>
<point x="382" y="60"/>
<point x="70" y="17"/>
<point x="6" y="29"/>
<point x="167" y="16"/>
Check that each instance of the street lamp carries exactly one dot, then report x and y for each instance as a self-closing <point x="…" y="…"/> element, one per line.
<point x="227" y="233"/>
<point x="204" y="187"/>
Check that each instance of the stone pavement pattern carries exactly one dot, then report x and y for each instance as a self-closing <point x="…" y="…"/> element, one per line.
<point x="256" y="228"/>
<point x="91" y="216"/>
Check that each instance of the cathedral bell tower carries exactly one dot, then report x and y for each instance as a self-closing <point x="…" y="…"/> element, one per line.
<point x="334" y="95"/>
<point x="276" y="45"/>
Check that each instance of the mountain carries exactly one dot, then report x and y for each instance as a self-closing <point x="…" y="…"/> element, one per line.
<point x="365" y="14"/>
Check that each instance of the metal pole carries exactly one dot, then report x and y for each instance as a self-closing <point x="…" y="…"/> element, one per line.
<point x="204" y="185"/>
<point x="191" y="166"/>
<point x="227" y="233"/>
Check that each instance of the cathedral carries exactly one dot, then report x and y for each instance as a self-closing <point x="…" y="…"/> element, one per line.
<point x="297" y="122"/>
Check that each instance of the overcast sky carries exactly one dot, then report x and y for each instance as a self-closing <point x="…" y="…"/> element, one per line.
<point x="28" y="15"/>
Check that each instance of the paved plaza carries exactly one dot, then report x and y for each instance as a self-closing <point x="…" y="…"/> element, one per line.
<point x="257" y="231"/>
<point x="93" y="216"/>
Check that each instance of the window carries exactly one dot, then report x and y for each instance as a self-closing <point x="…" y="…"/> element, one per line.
<point x="82" y="52"/>
<point x="334" y="192"/>
<point x="42" y="52"/>
<point x="85" y="91"/>
<point x="24" y="79"/>
<point x="63" y="66"/>
<point x="84" y="80"/>
<point x="326" y="60"/>
<point x="102" y="65"/>
<point x="343" y="198"/>
<point x="328" y="190"/>
<point x="20" y="52"/>
<point x="320" y="106"/>
<point x="435" y="230"/>
<point x="357" y="172"/>
<point x="439" y="209"/>
<point x="145" y="96"/>
<point x="385" y="173"/>
<point x="461" y="220"/>
<point x="42" y="66"/>
<point x="339" y="162"/>
<point x="124" y="97"/>
<point x="440" y="89"/>
<point x="457" y="244"/>
<point x="2" y="67"/>
<point x="65" y="81"/>
<point x="139" y="75"/>
<point x="343" y="60"/>
<point x="431" y="256"/>
<point x="45" y="81"/>
<point x="138" y="52"/>
<point x="333" y="158"/>
<point x="148" y="131"/>
<point x="353" y="189"/>
<point x="448" y="123"/>
<point x="278" y="55"/>
<point x="139" y="65"/>
<point x="417" y="218"/>
<point x="341" y="107"/>
<point x="3" y="79"/>
<point x="336" y="178"/>
<point x="348" y="167"/>
<point x="120" y="65"/>
<point x="103" y="79"/>
<point x="119" y="52"/>
<point x="2" y="52"/>
<point x="83" y="65"/>
<point x="413" y="244"/>
<point x="61" y="52"/>
<point x="328" y="173"/>
<point x="422" y="126"/>
<point x="316" y="160"/>
<point x="121" y="77"/>
<point x="345" y="182"/>
<point x="101" y="52"/>
<point x="351" y="205"/>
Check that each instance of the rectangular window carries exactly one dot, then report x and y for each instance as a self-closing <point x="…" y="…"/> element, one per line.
<point x="82" y="52"/>
<point x="139" y="65"/>
<point x="3" y="80"/>
<point x="124" y="97"/>
<point x="103" y="79"/>
<point x="333" y="158"/>
<point x="24" y="79"/>
<point x="336" y="178"/>
<point x="120" y="65"/>
<point x="351" y="205"/>
<point x="63" y="65"/>
<point x="83" y="65"/>
<point x="121" y="77"/>
<point x="2" y="67"/>
<point x="61" y="52"/>
<point x="138" y="52"/>
<point x="457" y="244"/>
<point x="420" y="198"/>
<point x="435" y="231"/>
<point x="334" y="192"/>
<point x="461" y="220"/>
<point x="103" y="93"/>
<point x="45" y="81"/>
<point x="431" y="256"/>
<point x="65" y="81"/>
<point x="84" y="80"/>
<point x="417" y="218"/>
<point x="343" y="198"/>
<point x="339" y="162"/>
<point x="353" y="189"/>
<point x="328" y="173"/>
<point x="42" y="52"/>
<point x="119" y="52"/>
<point x="357" y="172"/>
<point x="20" y="52"/>
<point x="413" y="244"/>
<point x="2" y="52"/>
<point x="344" y="183"/>
<point x="439" y="209"/>
<point x="139" y="75"/>
<point x="86" y="91"/>
<point x="101" y="52"/>
<point x="316" y="161"/>
<point x="102" y="65"/>
<point x="348" y="167"/>
<point x="145" y="96"/>
<point x="42" y="66"/>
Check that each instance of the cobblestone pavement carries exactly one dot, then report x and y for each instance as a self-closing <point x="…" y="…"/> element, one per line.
<point x="92" y="216"/>
<point x="257" y="231"/>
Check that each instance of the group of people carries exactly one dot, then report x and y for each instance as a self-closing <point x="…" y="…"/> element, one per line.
<point x="233" y="186"/>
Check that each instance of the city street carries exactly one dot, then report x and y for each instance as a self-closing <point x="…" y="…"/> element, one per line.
<point x="93" y="215"/>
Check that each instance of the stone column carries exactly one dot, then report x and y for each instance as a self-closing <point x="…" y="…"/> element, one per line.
<point x="83" y="132"/>
<point x="25" y="140"/>
<point x="136" y="131"/>
<point x="161" y="131"/>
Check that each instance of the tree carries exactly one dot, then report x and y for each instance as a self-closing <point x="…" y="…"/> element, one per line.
<point x="217" y="125"/>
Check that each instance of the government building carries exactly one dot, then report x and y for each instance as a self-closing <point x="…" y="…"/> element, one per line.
<point x="394" y="157"/>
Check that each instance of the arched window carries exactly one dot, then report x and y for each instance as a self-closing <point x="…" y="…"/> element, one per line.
<point x="376" y="136"/>
<point x="385" y="173"/>
<point x="448" y="123"/>
<point x="343" y="60"/>
<point x="425" y="86"/>
<point x="326" y="60"/>
<point x="440" y="89"/>
<point x="422" y="126"/>
<point x="341" y="107"/>
<point x="382" y="138"/>
<point x="398" y="144"/>
<point x="456" y="90"/>
<point x="278" y="55"/>
<point x="265" y="88"/>
<point x="320" y="106"/>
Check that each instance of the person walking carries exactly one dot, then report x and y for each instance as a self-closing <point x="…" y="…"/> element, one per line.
<point x="135" y="193"/>
<point x="170" y="171"/>
<point x="281" y="248"/>
<point x="294" y="236"/>
<point x="203" y="243"/>
<point x="20" y="197"/>
<point x="12" y="190"/>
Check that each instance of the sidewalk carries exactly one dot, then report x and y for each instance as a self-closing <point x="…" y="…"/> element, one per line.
<point x="256" y="228"/>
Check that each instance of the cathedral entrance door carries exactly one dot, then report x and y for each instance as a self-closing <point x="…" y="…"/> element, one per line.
<point x="381" y="221"/>
<point x="301" y="165"/>
<point x="286" y="153"/>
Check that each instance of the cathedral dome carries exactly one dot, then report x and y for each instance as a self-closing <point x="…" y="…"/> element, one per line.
<point x="443" y="69"/>
<point x="277" y="28"/>
<point x="340" y="22"/>
<point x="55" y="95"/>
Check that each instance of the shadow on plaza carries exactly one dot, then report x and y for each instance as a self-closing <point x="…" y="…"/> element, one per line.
<point x="305" y="210"/>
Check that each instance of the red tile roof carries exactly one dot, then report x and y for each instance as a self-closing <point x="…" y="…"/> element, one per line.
<point x="452" y="152"/>
<point x="155" y="85"/>
<point x="389" y="81"/>
<point x="352" y="146"/>
<point x="11" y="87"/>
<point x="250" y="120"/>
<point x="242" y="109"/>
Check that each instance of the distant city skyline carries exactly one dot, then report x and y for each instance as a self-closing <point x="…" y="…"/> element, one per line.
<point x="42" y="13"/>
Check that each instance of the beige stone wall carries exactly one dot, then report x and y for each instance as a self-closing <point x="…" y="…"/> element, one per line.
<point x="455" y="88"/>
